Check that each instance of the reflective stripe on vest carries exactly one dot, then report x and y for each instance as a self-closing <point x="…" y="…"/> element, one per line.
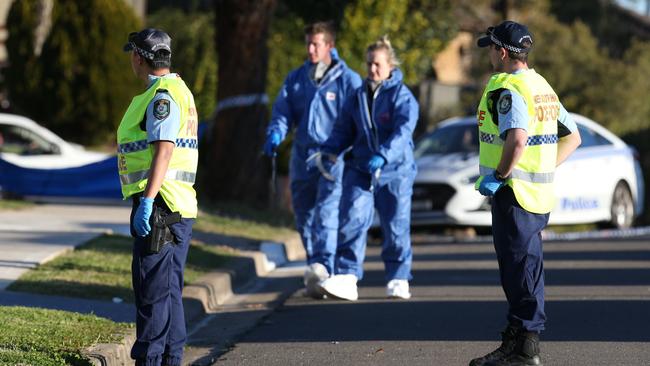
<point x="532" y="177"/>
<point x="492" y="139"/>
<point x="179" y="175"/>
<point x="521" y="175"/>
<point x="135" y="154"/>
<point x="143" y="145"/>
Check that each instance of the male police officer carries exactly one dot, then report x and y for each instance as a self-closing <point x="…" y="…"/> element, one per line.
<point x="524" y="134"/>
<point x="157" y="152"/>
<point x="310" y="100"/>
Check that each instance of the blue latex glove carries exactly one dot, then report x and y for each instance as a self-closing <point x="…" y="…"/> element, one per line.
<point x="375" y="162"/>
<point x="142" y="215"/>
<point x="490" y="185"/>
<point x="272" y="141"/>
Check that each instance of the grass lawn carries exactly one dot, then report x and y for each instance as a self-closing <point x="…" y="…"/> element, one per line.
<point x="572" y="228"/>
<point x="8" y="204"/>
<point x="101" y="269"/>
<point x="32" y="336"/>
<point x="233" y="219"/>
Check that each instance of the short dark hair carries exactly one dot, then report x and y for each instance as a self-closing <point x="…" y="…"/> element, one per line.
<point x="325" y="27"/>
<point x="519" y="56"/>
<point x="162" y="60"/>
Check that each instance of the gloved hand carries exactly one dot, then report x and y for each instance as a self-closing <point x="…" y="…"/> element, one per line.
<point x="142" y="215"/>
<point x="490" y="185"/>
<point x="272" y="141"/>
<point x="375" y="162"/>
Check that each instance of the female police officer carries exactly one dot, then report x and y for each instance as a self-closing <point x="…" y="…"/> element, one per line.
<point x="157" y="155"/>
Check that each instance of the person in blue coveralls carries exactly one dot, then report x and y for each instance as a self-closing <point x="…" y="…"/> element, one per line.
<point x="310" y="101"/>
<point x="377" y="123"/>
<point x="157" y="161"/>
<point x="524" y="134"/>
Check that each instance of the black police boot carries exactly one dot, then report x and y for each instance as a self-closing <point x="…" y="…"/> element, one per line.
<point x="526" y="352"/>
<point x="508" y="344"/>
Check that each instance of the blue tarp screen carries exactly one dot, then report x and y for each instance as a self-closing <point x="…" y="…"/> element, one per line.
<point x="96" y="180"/>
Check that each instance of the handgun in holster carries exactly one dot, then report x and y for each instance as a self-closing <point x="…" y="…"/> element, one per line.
<point x="160" y="233"/>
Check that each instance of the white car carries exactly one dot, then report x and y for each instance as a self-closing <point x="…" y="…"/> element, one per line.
<point x="601" y="182"/>
<point x="26" y="144"/>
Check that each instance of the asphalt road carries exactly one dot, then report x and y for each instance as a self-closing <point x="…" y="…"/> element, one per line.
<point x="598" y="308"/>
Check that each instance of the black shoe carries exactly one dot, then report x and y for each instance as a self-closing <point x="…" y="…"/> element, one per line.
<point x="526" y="352"/>
<point x="508" y="344"/>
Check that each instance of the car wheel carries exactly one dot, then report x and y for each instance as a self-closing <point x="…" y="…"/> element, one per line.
<point x="622" y="208"/>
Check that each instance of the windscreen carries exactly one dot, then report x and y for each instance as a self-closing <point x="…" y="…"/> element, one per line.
<point x="448" y="140"/>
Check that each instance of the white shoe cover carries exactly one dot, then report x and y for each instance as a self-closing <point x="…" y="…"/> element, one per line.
<point x="314" y="274"/>
<point x="398" y="289"/>
<point x="343" y="286"/>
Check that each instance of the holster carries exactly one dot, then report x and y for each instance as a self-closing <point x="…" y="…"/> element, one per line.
<point x="160" y="233"/>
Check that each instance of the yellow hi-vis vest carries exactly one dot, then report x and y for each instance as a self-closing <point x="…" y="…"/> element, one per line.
<point x="532" y="177"/>
<point x="135" y="155"/>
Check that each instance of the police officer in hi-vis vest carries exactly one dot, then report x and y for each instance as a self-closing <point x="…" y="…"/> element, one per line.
<point x="524" y="134"/>
<point x="157" y="158"/>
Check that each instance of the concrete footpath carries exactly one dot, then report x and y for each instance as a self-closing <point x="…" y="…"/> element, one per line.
<point x="35" y="235"/>
<point x="32" y="236"/>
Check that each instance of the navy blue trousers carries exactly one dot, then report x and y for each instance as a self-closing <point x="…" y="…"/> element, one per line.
<point x="158" y="286"/>
<point x="518" y="244"/>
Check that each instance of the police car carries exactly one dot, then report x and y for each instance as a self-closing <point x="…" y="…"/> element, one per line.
<point x="26" y="144"/>
<point x="601" y="182"/>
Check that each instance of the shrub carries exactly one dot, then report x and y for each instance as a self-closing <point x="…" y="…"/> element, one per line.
<point x="79" y="82"/>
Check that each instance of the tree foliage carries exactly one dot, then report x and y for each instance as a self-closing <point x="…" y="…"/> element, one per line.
<point x="587" y="79"/>
<point x="286" y="50"/>
<point x="613" y="26"/>
<point x="81" y="82"/>
<point x="418" y="29"/>
<point x="193" y="53"/>
<point x="312" y="10"/>
<point x="189" y="6"/>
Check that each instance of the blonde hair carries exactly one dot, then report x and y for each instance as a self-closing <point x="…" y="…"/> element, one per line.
<point x="383" y="43"/>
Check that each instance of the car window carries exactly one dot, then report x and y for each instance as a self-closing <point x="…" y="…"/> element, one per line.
<point x="447" y="140"/>
<point x="591" y="138"/>
<point x="21" y="141"/>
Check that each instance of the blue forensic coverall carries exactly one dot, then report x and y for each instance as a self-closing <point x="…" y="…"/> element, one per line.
<point x="312" y="109"/>
<point x="376" y="123"/>
<point x="516" y="232"/>
<point x="158" y="278"/>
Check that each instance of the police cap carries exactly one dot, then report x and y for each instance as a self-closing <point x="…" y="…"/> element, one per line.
<point x="510" y="35"/>
<point x="150" y="43"/>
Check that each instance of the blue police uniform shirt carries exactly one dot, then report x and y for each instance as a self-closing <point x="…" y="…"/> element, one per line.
<point x="163" y="117"/>
<point x="517" y="115"/>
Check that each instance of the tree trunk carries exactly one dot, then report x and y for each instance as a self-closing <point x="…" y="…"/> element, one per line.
<point x="232" y="165"/>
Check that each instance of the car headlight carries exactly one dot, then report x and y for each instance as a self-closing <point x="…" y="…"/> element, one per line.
<point x="470" y="180"/>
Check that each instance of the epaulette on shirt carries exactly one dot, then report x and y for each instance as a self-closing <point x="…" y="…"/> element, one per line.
<point x="143" y="123"/>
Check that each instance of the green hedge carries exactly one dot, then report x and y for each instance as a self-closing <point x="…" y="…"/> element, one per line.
<point x="79" y="82"/>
